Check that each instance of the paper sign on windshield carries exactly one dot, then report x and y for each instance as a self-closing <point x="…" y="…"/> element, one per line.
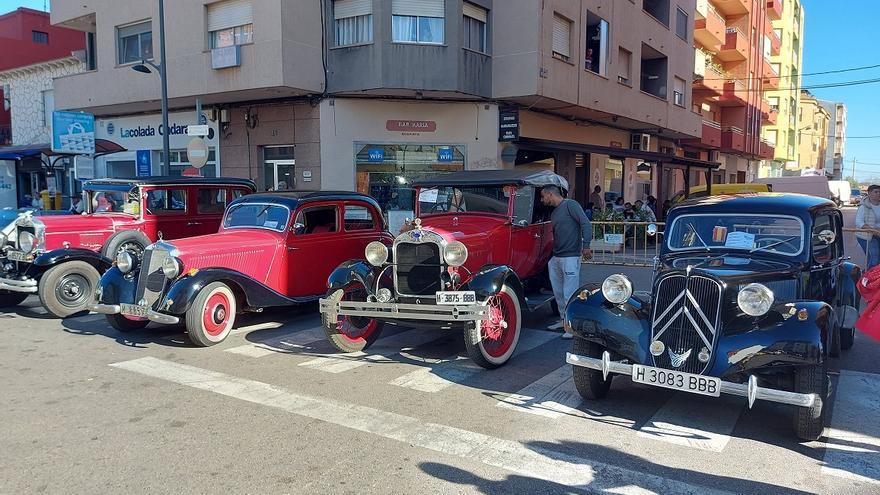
<point x="740" y="240"/>
<point x="428" y="195"/>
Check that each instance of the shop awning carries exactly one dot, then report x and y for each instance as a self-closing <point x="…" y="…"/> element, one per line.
<point x="648" y="156"/>
<point x="102" y="147"/>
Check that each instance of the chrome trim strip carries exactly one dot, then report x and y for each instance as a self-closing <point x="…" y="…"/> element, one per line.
<point x="749" y="390"/>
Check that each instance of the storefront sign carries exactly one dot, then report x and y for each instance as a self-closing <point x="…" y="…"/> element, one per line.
<point x="376" y="155"/>
<point x="445" y="155"/>
<point x="508" y="125"/>
<point x="84" y="167"/>
<point x="144" y="163"/>
<point x="73" y="132"/>
<point x="411" y="125"/>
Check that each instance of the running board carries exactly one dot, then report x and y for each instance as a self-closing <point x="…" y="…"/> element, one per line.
<point x="535" y="300"/>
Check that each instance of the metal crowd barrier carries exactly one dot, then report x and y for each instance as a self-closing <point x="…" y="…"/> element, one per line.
<point x="625" y="243"/>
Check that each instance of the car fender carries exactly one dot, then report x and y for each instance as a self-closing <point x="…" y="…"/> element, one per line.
<point x="353" y="271"/>
<point x="52" y="258"/>
<point x="116" y="287"/>
<point x="250" y="292"/>
<point x="852" y="273"/>
<point x="780" y="339"/>
<point x="487" y="281"/>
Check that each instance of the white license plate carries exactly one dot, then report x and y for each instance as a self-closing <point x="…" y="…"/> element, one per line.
<point x="16" y="256"/>
<point x="676" y="380"/>
<point x="133" y="310"/>
<point x="457" y="297"/>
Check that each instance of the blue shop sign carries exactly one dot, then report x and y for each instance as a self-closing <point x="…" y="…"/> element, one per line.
<point x="73" y="132"/>
<point x="377" y="154"/>
<point x="445" y="154"/>
<point x="144" y="163"/>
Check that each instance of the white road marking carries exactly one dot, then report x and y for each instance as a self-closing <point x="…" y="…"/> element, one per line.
<point x="269" y="325"/>
<point x="340" y="363"/>
<point x="852" y="440"/>
<point x="251" y="350"/>
<point x="284" y="344"/>
<point x="697" y="422"/>
<point x="536" y="462"/>
<point x="457" y="369"/>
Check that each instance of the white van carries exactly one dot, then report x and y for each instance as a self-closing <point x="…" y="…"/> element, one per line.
<point x="814" y="185"/>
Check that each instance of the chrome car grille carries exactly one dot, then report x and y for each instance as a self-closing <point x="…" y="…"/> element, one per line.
<point x="417" y="269"/>
<point x="686" y="319"/>
<point x="151" y="281"/>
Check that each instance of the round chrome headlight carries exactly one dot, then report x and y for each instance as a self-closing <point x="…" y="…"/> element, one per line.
<point x="755" y="299"/>
<point x="617" y="288"/>
<point x="455" y="253"/>
<point x="124" y="261"/>
<point x="376" y="253"/>
<point x="27" y="242"/>
<point x="171" y="267"/>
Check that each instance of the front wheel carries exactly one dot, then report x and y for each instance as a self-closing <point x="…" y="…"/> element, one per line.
<point x="589" y="382"/>
<point x="66" y="289"/>
<point x="211" y="316"/>
<point x="809" y="422"/>
<point x="10" y="299"/>
<point x="350" y="333"/>
<point x="125" y="324"/>
<point x="491" y="343"/>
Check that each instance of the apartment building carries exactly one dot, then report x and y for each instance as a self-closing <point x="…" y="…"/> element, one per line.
<point x="733" y="43"/>
<point x="815" y="127"/>
<point x="783" y="92"/>
<point x="834" y="156"/>
<point x="368" y="94"/>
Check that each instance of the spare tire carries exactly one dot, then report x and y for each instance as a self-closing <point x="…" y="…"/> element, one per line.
<point x="132" y="241"/>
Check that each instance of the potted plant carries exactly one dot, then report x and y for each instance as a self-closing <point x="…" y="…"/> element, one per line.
<point x="608" y="238"/>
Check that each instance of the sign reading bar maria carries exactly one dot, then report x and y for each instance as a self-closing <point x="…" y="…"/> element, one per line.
<point x="508" y="124"/>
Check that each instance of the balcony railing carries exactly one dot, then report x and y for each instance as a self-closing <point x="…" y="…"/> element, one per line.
<point x="736" y="46"/>
<point x="5" y="135"/>
<point x="710" y="31"/>
<point x="774" y="9"/>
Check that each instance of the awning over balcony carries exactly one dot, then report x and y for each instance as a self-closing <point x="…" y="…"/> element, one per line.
<point x="102" y="147"/>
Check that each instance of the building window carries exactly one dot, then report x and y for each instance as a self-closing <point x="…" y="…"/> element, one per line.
<point x="135" y="42"/>
<point x="624" y="63"/>
<point x="353" y="22"/>
<point x="774" y="102"/>
<point x="681" y="24"/>
<point x="48" y="102"/>
<point x="422" y="21"/>
<point x="230" y="23"/>
<point x="474" y="28"/>
<point x="654" y="72"/>
<point x="771" y="135"/>
<point x="596" y="59"/>
<point x="561" y="37"/>
<point x="678" y="91"/>
<point x="40" y="37"/>
<point x="658" y="9"/>
<point x="91" y="55"/>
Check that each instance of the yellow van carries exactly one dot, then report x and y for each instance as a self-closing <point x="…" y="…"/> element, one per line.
<point x="719" y="189"/>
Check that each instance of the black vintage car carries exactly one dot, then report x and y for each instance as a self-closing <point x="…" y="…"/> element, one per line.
<point x="751" y="295"/>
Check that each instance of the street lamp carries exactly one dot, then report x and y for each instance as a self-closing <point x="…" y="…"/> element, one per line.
<point x="144" y="68"/>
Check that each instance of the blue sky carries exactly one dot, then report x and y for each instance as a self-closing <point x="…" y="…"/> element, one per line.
<point x="839" y="35"/>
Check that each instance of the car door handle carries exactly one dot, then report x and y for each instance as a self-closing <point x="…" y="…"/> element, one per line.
<point x="289" y="248"/>
<point x="190" y="224"/>
<point x="537" y="236"/>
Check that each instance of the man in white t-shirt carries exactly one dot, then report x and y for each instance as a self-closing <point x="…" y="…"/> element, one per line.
<point x="868" y="219"/>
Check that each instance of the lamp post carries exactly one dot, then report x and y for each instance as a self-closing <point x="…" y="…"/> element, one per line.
<point x="161" y="68"/>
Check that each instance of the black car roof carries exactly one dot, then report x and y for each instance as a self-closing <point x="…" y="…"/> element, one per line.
<point x="765" y="203"/>
<point x="174" y="181"/>
<point x="537" y="178"/>
<point x="294" y="199"/>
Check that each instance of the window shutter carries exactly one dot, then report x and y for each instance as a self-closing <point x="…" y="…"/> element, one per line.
<point x="561" y="35"/>
<point x="343" y="9"/>
<point x="231" y="13"/>
<point x="424" y="8"/>
<point x="474" y="12"/>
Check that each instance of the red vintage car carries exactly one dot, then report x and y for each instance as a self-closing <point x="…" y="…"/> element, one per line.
<point x="475" y="258"/>
<point x="62" y="257"/>
<point x="273" y="249"/>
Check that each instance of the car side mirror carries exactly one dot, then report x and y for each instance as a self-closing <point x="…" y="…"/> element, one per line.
<point x="827" y="237"/>
<point x="651" y="229"/>
<point x="522" y="223"/>
<point x="298" y="228"/>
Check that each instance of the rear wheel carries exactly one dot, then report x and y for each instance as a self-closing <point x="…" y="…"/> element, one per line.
<point x="351" y="333"/>
<point x="66" y="289"/>
<point x="10" y="299"/>
<point x="125" y="324"/>
<point x="211" y="316"/>
<point x="491" y="343"/>
<point x="809" y="422"/>
<point x="589" y="382"/>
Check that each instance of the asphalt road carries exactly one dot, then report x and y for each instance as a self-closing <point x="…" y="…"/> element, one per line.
<point x="274" y="410"/>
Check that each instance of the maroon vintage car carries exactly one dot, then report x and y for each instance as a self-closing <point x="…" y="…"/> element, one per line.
<point x="273" y="249"/>
<point x="474" y="259"/>
<point x="62" y="257"/>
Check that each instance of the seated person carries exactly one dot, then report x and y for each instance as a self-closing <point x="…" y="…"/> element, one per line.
<point x="456" y="203"/>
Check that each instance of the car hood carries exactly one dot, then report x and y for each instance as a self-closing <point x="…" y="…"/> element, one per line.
<point x="732" y="268"/>
<point x="87" y="231"/>
<point x="477" y="232"/>
<point x="248" y="251"/>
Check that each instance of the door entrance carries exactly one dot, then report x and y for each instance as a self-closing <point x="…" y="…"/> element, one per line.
<point x="279" y="170"/>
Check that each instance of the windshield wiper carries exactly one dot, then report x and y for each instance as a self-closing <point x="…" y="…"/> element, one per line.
<point x="694" y="230"/>
<point x="783" y="241"/>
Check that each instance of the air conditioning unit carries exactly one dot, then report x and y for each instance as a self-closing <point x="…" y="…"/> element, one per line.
<point x="641" y="142"/>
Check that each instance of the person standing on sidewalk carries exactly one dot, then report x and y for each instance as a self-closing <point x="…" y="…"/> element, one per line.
<point x="572" y="234"/>
<point x="868" y="219"/>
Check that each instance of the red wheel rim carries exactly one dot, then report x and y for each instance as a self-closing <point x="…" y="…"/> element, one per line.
<point x="216" y="317"/>
<point x="499" y="331"/>
<point x="355" y="328"/>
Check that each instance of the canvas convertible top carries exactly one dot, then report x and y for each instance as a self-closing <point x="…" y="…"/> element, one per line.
<point x="537" y="178"/>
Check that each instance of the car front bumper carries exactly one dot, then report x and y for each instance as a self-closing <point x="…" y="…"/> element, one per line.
<point x="26" y="285"/>
<point x="400" y="311"/>
<point x="750" y="390"/>
<point x="154" y="316"/>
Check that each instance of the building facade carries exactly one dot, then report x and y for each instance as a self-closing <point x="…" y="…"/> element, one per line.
<point x="370" y="94"/>
<point x="783" y="92"/>
<point x="834" y="156"/>
<point x="815" y="127"/>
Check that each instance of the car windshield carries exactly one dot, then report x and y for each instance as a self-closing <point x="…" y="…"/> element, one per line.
<point x="765" y="233"/>
<point x="257" y="215"/>
<point x="476" y="199"/>
<point x="114" y="201"/>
